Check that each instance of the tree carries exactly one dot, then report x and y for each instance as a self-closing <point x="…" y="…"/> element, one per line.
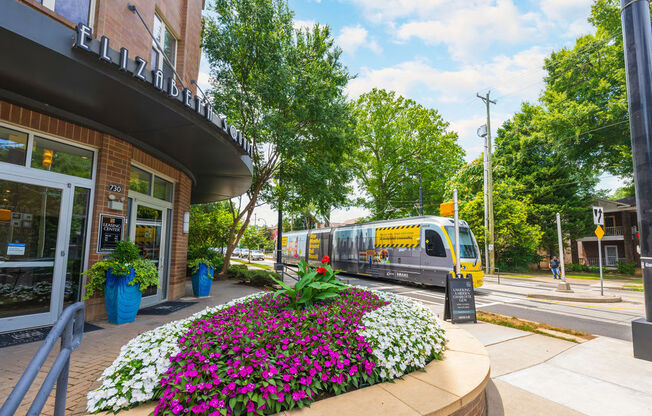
<point x="585" y="95"/>
<point x="209" y="225"/>
<point x="284" y="89"/>
<point x="528" y="154"/>
<point x="254" y="238"/>
<point x="400" y="142"/>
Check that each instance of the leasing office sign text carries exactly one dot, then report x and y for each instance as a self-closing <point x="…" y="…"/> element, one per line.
<point x="138" y="68"/>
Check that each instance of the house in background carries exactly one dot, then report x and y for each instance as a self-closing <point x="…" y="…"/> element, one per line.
<point x="620" y="241"/>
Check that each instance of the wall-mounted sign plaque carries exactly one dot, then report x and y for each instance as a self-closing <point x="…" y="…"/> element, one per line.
<point x="110" y="232"/>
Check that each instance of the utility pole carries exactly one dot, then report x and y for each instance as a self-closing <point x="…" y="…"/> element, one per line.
<point x="563" y="287"/>
<point x="637" y="42"/>
<point x="420" y="197"/>
<point x="489" y="187"/>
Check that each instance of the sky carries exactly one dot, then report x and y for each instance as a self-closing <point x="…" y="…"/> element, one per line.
<point x="442" y="53"/>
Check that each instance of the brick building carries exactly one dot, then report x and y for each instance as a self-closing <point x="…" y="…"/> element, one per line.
<point x="620" y="242"/>
<point x="102" y="136"/>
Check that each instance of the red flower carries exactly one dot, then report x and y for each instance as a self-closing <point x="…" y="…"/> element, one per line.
<point x="296" y="256"/>
<point x="321" y="270"/>
<point x="325" y="259"/>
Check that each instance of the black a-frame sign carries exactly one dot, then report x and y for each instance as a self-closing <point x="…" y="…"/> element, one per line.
<point x="459" y="302"/>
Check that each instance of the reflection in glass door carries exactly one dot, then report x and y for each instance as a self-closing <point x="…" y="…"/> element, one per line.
<point x="148" y="233"/>
<point x="31" y="269"/>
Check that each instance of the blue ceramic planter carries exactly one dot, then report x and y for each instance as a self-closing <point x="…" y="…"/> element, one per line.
<point x="202" y="279"/>
<point x="122" y="299"/>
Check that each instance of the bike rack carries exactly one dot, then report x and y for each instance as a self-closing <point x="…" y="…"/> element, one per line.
<point x="70" y="328"/>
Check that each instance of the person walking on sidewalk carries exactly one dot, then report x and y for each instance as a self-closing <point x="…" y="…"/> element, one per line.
<point x="554" y="266"/>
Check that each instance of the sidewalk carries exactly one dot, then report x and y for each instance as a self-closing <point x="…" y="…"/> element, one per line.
<point x="547" y="278"/>
<point x="537" y="375"/>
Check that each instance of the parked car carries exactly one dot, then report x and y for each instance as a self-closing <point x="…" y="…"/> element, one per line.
<point x="244" y="253"/>
<point x="236" y="252"/>
<point x="257" y="255"/>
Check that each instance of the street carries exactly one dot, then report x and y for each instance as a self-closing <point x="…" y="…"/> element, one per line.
<point x="509" y="298"/>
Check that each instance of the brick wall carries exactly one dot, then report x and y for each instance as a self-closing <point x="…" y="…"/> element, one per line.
<point x="114" y="157"/>
<point x="113" y="19"/>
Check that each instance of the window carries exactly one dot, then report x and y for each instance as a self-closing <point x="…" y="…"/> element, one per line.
<point x="13" y="146"/>
<point x="77" y="11"/>
<point x="62" y="158"/>
<point x="148" y="183"/>
<point x="434" y="244"/>
<point x="168" y="43"/>
<point x="162" y="189"/>
<point x="467" y="246"/>
<point x="140" y="180"/>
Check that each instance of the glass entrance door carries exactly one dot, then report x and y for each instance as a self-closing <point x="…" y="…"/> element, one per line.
<point x="148" y="231"/>
<point x="33" y="225"/>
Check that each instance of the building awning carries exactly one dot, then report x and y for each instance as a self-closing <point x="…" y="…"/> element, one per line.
<point x="40" y="69"/>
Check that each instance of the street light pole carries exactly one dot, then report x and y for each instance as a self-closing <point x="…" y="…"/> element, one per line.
<point x="482" y="132"/>
<point x="420" y="197"/>
<point x="490" y="198"/>
<point x="637" y="41"/>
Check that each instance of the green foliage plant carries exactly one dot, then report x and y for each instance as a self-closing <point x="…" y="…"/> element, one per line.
<point x="237" y="271"/>
<point x="626" y="268"/>
<point x="315" y="284"/>
<point x="124" y="257"/>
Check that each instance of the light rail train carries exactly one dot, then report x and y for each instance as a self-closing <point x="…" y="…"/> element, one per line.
<point x="416" y="249"/>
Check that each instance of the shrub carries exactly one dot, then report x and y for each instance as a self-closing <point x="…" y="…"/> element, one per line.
<point x="593" y="269"/>
<point x="125" y="252"/>
<point x="237" y="271"/>
<point x="626" y="268"/>
<point x="261" y="277"/>
<point x="206" y="255"/>
<point x="572" y="267"/>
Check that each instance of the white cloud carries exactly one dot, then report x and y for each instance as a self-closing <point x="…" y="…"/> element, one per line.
<point x="303" y="24"/>
<point x="561" y="9"/>
<point x="353" y="37"/>
<point x="471" y="30"/>
<point x="505" y="75"/>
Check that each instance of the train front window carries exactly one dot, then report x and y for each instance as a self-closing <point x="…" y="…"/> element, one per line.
<point x="434" y="245"/>
<point x="467" y="247"/>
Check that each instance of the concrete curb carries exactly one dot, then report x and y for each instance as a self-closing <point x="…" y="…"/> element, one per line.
<point x="577" y="298"/>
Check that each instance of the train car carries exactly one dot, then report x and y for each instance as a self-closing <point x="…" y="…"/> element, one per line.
<point x="416" y="249"/>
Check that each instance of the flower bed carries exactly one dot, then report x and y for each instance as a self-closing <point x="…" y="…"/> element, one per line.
<point x="255" y="355"/>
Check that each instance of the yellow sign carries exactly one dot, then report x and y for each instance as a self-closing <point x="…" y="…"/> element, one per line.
<point x="599" y="232"/>
<point x="313" y="247"/>
<point x="398" y="236"/>
<point x="447" y="209"/>
<point x="284" y="241"/>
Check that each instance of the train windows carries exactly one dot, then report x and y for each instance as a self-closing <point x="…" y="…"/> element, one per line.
<point x="467" y="246"/>
<point x="434" y="245"/>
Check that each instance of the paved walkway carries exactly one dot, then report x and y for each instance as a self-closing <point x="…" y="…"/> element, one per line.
<point x="537" y="375"/>
<point x="97" y="351"/>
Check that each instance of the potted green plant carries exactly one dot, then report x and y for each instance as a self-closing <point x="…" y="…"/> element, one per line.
<point x="202" y="269"/>
<point x="123" y="277"/>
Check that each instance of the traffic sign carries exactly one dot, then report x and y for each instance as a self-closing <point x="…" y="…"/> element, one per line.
<point x="598" y="215"/>
<point x="599" y="232"/>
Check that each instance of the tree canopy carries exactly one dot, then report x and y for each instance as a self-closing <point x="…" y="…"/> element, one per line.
<point x="401" y="141"/>
<point x="284" y="89"/>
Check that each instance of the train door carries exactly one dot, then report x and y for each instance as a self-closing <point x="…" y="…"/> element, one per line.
<point x="435" y="259"/>
<point x="345" y="250"/>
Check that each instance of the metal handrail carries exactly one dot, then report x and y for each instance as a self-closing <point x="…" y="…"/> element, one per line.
<point x="69" y="327"/>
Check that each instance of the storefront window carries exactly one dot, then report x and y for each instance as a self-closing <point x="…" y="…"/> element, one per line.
<point x="77" y="11"/>
<point x="13" y="146"/>
<point x="140" y="180"/>
<point x="62" y="158"/>
<point x="162" y="189"/>
<point x="168" y="42"/>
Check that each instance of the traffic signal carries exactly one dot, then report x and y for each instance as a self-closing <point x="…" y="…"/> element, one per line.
<point x="446" y="209"/>
<point x="47" y="158"/>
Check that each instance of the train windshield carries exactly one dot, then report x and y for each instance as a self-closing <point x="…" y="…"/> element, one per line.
<point x="467" y="246"/>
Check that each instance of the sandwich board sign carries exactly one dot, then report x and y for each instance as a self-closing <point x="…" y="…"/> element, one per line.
<point x="459" y="304"/>
<point x="598" y="215"/>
